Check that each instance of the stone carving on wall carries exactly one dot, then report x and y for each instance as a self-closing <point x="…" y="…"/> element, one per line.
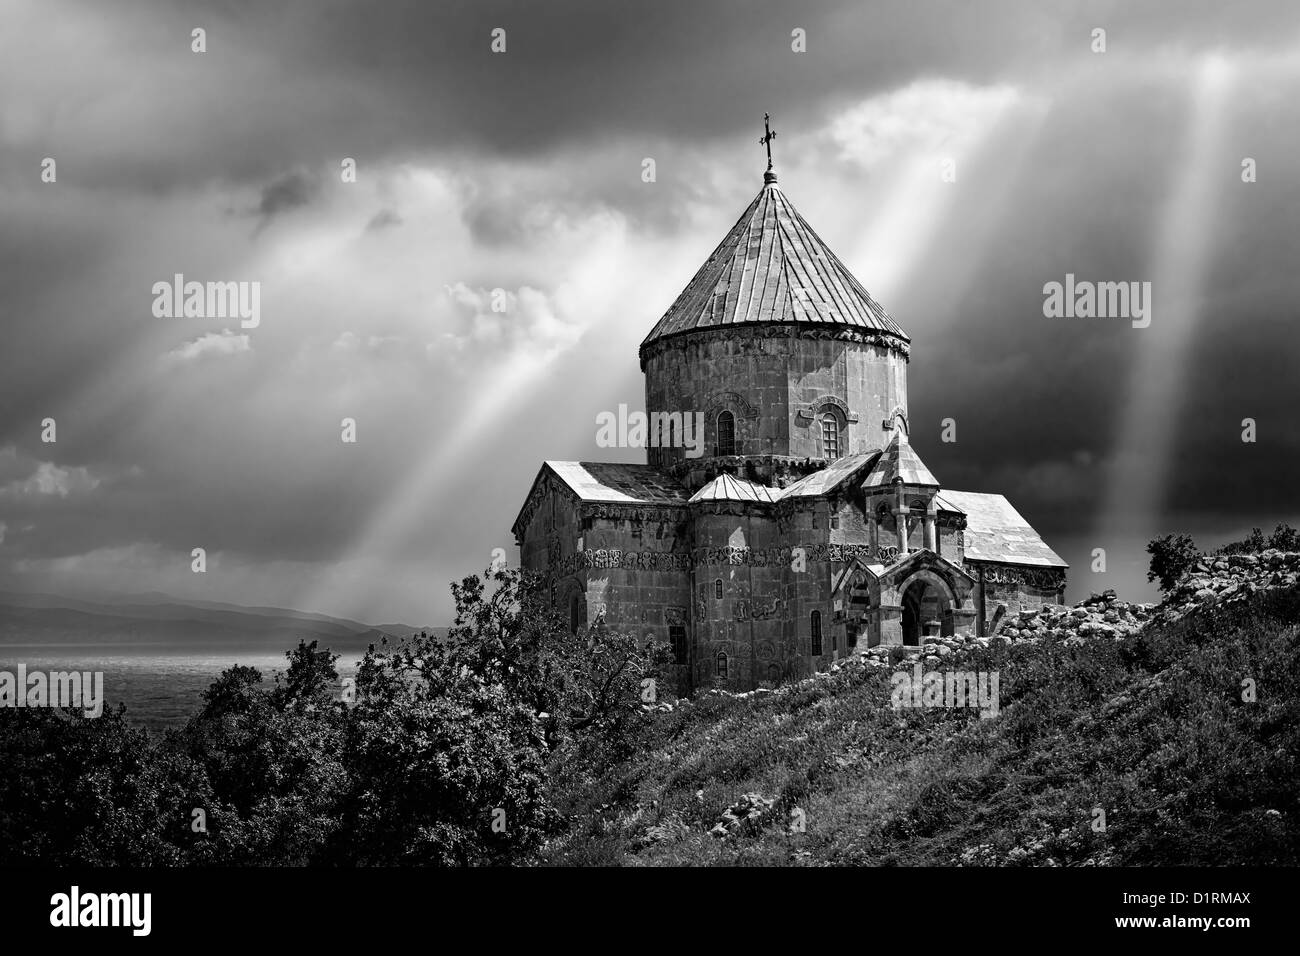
<point x="810" y="411"/>
<point x="645" y="514"/>
<point x="754" y="336"/>
<point x="607" y="559"/>
<point x="740" y="610"/>
<point x="778" y="556"/>
<point x="723" y="400"/>
<point x="1047" y="579"/>
<point x="674" y="615"/>
<point x="540" y="492"/>
<point x="897" y="414"/>
<point x="763" y="612"/>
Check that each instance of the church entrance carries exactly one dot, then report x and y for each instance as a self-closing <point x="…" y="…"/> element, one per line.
<point x="927" y="610"/>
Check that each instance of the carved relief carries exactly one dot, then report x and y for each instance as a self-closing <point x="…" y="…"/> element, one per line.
<point x="900" y="415"/>
<point x="754" y="335"/>
<point x="732" y="400"/>
<point x="1047" y="579"/>
<point x="810" y="411"/>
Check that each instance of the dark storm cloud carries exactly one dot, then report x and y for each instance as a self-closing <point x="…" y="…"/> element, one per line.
<point x="293" y="189"/>
<point x="291" y="82"/>
<point x="523" y="171"/>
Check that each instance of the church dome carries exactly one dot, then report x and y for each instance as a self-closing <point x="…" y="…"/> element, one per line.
<point x="773" y="269"/>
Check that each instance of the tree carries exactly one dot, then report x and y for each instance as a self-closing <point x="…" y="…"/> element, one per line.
<point x="1171" y="558"/>
<point x="453" y="741"/>
<point x="274" y="760"/>
<point x="1284" y="538"/>
<point x="91" y="792"/>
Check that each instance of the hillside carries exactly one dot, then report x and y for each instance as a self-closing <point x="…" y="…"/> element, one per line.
<point x="1134" y="710"/>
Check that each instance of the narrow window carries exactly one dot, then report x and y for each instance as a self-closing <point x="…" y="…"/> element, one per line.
<point x="575" y="612"/>
<point x="726" y="433"/>
<point x="717" y="589"/>
<point x="851" y="634"/>
<point x="830" y="437"/>
<point x="677" y="637"/>
<point x="722" y="665"/>
<point x="816" y="630"/>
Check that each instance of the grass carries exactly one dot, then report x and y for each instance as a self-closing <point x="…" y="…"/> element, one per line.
<point x="1151" y="730"/>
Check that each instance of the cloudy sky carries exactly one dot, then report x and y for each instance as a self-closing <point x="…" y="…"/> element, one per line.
<point x="521" y="171"/>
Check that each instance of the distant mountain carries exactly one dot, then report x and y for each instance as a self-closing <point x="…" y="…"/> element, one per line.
<point x="405" y="630"/>
<point x="163" y="621"/>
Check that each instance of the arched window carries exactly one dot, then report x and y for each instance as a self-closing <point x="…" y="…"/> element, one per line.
<point x="774" y="673"/>
<point x="717" y="589"/>
<point x="722" y="665"/>
<point x="815" y="626"/>
<point x="726" y="433"/>
<point x="830" y="436"/>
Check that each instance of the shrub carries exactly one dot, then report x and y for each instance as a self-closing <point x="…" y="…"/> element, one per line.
<point x="1171" y="558"/>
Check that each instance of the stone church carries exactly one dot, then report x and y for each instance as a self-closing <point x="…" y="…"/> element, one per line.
<point x="809" y="528"/>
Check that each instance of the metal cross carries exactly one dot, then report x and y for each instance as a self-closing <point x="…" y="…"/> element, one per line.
<point x="767" y="140"/>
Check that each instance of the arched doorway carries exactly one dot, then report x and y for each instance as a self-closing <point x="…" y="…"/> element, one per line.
<point x="927" y="610"/>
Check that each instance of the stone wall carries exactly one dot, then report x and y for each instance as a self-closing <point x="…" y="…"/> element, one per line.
<point x="777" y="389"/>
<point x="753" y="622"/>
<point x="642" y="601"/>
<point x="1014" y="588"/>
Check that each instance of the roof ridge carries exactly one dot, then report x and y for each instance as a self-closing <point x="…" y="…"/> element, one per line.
<point x="758" y="287"/>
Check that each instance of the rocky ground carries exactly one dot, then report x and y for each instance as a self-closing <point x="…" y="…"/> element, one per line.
<point x="1213" y="580"/>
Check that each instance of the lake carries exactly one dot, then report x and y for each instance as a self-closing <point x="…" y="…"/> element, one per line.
<point x="161" y="687"/>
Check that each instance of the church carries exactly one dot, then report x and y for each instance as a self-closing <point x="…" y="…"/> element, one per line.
<point x="806" y="528"/>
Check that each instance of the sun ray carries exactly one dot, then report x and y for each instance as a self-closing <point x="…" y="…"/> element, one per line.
<point x="1140" y="471"/>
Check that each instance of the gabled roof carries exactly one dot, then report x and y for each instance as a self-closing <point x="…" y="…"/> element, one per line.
<point x="772" y="268"/>
<point x="900" y="461"/>
<point x="605" y="481"/>
<point x="727" y="487"/>
<point x="905" y="564"/>
<point x="829" y="478"/>
<point x="995" y="531"/>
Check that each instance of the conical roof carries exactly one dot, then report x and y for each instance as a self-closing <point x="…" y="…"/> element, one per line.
<point x="899" y="462"/>
<point x="726" y="487"/>
<point x="772" y="268"/>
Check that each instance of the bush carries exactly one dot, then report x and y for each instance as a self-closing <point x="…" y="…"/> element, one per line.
<point x="1171" y="558"/>
<point x="447" y="756"/>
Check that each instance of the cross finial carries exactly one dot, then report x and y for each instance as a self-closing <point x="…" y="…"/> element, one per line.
<point x="769" y="134"/>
